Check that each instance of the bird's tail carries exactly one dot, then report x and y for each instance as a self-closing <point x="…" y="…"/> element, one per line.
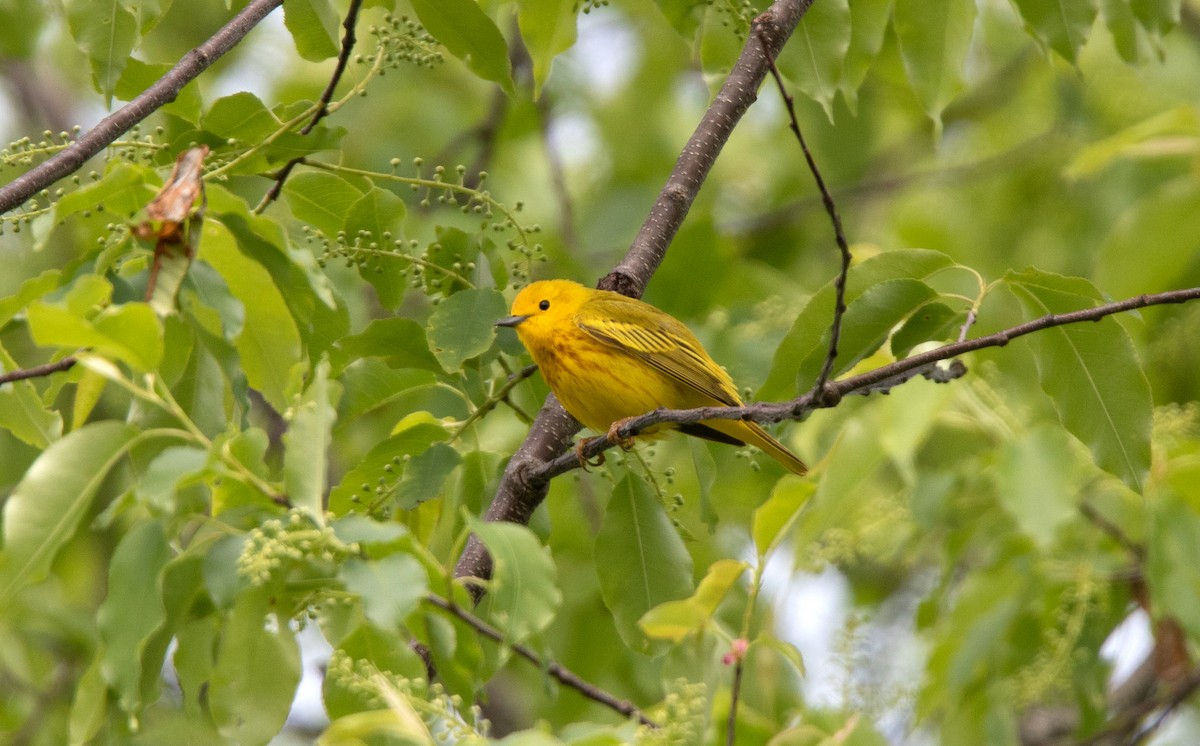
<point x="752" y="433"/>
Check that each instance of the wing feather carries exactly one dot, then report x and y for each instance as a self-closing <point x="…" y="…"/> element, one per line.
<point x="658" y="339"/>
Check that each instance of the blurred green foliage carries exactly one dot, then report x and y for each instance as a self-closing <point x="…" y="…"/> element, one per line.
<point x="307" y="431"/>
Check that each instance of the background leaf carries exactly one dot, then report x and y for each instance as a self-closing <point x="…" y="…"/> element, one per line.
<point x="640" y="560"/>
<point x="46" y="507"/>
<point x="1092" y="373"/>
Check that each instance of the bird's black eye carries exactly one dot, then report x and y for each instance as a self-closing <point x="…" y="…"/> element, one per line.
<point x="544" y="305"/>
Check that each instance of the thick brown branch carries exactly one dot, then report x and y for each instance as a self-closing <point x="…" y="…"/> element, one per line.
<point x="564" y="675"/>
<point x="163" y="91"/>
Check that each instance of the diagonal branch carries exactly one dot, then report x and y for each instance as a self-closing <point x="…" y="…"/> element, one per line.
<point x="550" y="435"/>
<point x="564" y="675"/>
<point x="343" y="58"/>
<point x="163" y="91"/>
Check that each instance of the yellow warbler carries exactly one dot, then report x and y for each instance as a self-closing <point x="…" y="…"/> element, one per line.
<point x="608" y="357"/>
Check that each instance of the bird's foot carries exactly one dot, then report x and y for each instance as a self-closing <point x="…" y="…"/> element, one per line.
<point x="614" y="435"/>
<point x="583" y="460"/>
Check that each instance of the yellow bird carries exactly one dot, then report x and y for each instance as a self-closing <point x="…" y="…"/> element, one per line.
<point x="608" y="357"/>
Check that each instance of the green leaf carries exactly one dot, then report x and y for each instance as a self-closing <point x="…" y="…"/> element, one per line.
<point x="30" y="290"/>
<point x="22" y="412"/>
<point x="131" y="332"/>
<point x="374" y="216"/>
<point x="934" y="36"/>
<point x="1123" y="27"/>
<point x="932" y="322"/>
<point x="306" y="443"/>
<point x="675" y="620"/>
<point x="46" y="507"/>
<point x="195" y="652"/>
<point x="138" y="76"/>
<point x="1173" y="561"/>
<point x="241" y="116"/>
<point x="774" y="519"/>
<point x="523" y="596"/>
<point x="89" y="706"/>
<point x="21" y="23"/>
<point x="1091" y="372"/>
<point x="815" y="54"/>
<point x="370" y="384"/>
<point x="808" y="336"/>
<point x="868" y="320"/>
<point x="269" y="343"/>
<point x="391" y="587"/>
<point x="1039" y="477"/>
<point x="133" y="609"/>
<point x="358" y="488"/>
<point x="256" y="673"/>
<point x="313" y="25"/>
<point x="548" y="29"/>
<point x="321" y="199"/>
<point x="1159" y="16"/>
<point x="424" y="475"/>
<point x="106" y="32"/>
<point x="122" y="191"/>
<point x="374" y="222"/>
<point x="464" y="29"/>
<point x="1063" y="25"/>
<point x="868" y="25"/>
<point x="1166" y="218"/>
<point x="400" y="342"/>
<point x="463" y="326"/>
<point x="640" y="560"/>
<point x="1142" y="139"/>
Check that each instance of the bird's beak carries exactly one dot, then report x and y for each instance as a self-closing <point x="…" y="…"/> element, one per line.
<point x="511" y="321"/>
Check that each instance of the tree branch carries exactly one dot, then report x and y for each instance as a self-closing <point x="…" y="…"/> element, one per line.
<point x="550" y="435"/>
<point x="769" y="32"/>
<point x="839" y="285"/>
<point x="348" y="41"/>
<point x="561" y="673"/>
<point x="163" y="91"/>
<point x="38" y="370"/>
<point x="802" y="406"/>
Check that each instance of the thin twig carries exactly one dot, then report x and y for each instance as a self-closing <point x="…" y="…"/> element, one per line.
<point x="162" y="91"/>
<point x="802" y="406"/>
<point x="839" y="285"/>
<point x="734" y="696"/>
<point x="38" y="370"/>
<point x="1113" y="530"/>
<point x="494" y="399"/>
<point x="563" y="674"/>
<point x="348" y="41"/>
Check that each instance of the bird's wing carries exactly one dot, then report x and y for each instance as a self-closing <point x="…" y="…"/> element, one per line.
<point x="660" y="340"/>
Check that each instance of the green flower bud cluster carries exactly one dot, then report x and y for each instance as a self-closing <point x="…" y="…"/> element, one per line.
<point x="683" y="716"/>
<point x="291" y="548"/>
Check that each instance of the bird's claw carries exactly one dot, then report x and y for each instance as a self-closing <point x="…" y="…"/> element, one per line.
<point x="584" y="463"/>
<point x="614" y="435"/>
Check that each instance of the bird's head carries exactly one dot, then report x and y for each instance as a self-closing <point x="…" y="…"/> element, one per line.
<point x="542" y="307"/>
